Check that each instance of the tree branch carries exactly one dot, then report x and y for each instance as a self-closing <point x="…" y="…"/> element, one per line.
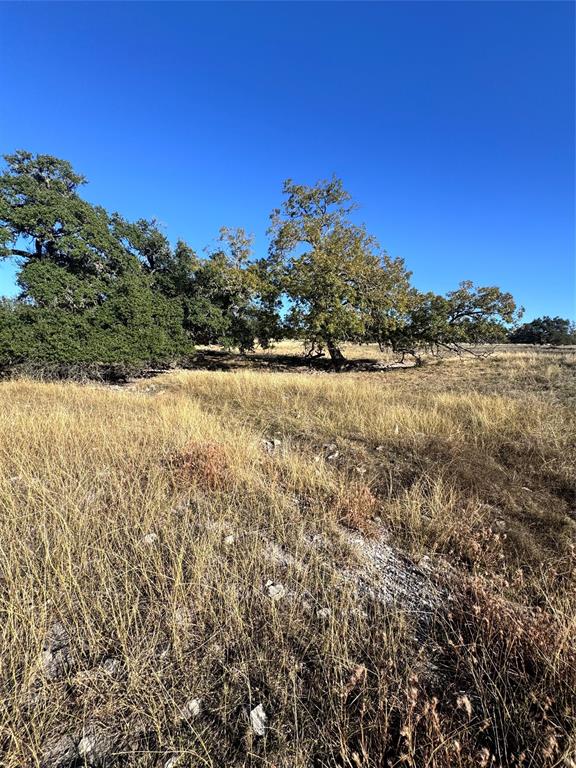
<point x="18" y="252"/>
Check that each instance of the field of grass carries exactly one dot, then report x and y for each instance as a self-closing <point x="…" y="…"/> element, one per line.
<point x="383" y="563"/>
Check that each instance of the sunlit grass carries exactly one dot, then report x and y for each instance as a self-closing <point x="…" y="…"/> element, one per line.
<point x="147" y="520"/>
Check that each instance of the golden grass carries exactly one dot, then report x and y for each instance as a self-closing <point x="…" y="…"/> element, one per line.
<point x="148" y="520"/>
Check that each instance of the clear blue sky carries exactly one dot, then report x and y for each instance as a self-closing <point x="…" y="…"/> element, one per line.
<point x="451" y="123"/>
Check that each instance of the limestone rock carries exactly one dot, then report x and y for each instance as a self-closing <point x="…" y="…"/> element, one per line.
<point x="61" y="752"/>
<point x="191" y="709"/>
<point x="275" y="591"/>
<point x="258" y="720"/>
<point x="96" y="747"/>
<point x="56" y="658"/>
<point x="271" y="446"/>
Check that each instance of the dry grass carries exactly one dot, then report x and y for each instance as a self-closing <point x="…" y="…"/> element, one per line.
<point x="140" y="528"/>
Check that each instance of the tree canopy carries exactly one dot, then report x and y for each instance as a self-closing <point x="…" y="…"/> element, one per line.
<point x="557" y="331"/>
<point x="96" y="289"/>
<point x="341" y="286"/>
<point x="84" y="296"/>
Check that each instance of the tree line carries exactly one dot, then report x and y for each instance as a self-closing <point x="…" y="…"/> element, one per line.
<point x="98" y="290"/>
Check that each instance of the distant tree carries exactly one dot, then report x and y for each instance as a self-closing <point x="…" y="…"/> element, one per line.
<point x="84" y="296"/>
<point x="95" y="288"/>
<point x="557" y="331"/>
<point x="339" y="285"/>
<point x="220" y="295"/>
<point x="240" y="291"/>
<point x="467" y="316"/>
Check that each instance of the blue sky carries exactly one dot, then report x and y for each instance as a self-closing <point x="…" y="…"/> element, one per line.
<point x="452" y="124"/>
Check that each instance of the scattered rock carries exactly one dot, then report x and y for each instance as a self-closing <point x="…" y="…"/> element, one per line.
<point x="60" y="753"/>
<point x="279" y="556"/>
<point x="191" y="709"/>
<point x="96" y="747"/>
<point x="112" y="666"/>
<point x="389" y="577"/>
<point x="331" y="451"/>
<point x="315" y="539"/>
<point x="258" y="720"/>
<point x="56" y="659"/>
<point x="270" y="446"/>
<point x="150" y="538"/>
<point x="424" y="561"/>
<point x="57" y="637"/>
<point x="183" y="617"/>
<point x="275" y="591"/>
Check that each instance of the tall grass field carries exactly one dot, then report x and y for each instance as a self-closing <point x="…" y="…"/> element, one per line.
<point x="292" y="568"/>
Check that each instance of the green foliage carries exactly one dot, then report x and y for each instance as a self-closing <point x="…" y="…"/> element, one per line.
<point x="340" y="286"/>
<point x="218" y="295"/>
<point x="99" y="290"/>
<point x="469" y="315"/>
<point x="84" y="297"/>
<point x="545" y="330"/>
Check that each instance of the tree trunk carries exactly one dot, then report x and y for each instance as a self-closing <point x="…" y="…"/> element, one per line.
<point x="335" y="354"/>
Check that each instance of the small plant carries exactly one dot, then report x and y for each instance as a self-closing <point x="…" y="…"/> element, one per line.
<point x="204" y="465"/>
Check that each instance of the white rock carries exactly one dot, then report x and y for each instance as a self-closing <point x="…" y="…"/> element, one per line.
<point x="183" y="616"/>
<point x="150" y="538"/>
<point x="279" y="556"/>
<point x="112" y="666"/>
<point x="258" y="719"/>
<point x="275" y="591"/>
<point x="229" y="540"/>
<point x="323" y="613"/>
<point x="60" y="753"/>
<point x="331" y="451"/>
<point x="270" y="446"/>
<point x="95" y="747"/>
<point x="191" y="709"/>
